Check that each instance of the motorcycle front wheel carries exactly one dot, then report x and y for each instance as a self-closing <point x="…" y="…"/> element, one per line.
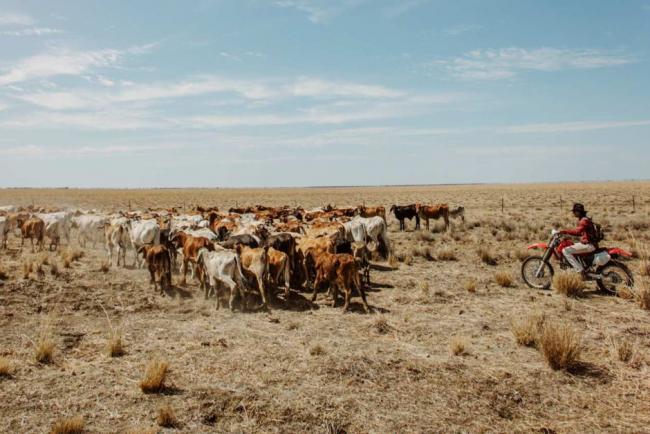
<point x="537" y="273"/>
<point x="614" y="276"/>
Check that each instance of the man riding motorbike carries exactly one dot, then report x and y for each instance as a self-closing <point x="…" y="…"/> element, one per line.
<point x="586" y="230"/>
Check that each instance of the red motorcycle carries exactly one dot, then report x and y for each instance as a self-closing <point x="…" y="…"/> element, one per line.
<point x="602" y="265"/>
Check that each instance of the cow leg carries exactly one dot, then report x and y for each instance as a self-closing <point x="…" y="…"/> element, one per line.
<point x="260" y="283"/>
<point x="317" y="283"/>
<point x="232" y="286"/>
<point x="184" y="271"/>
<point x="287" y="279"/>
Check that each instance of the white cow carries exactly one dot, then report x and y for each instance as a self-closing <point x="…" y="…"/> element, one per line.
<point x="116" y="234"/>
<point x="203" y="232"/>
<point x="355" y="230"/>
<point x="143" y="232"/>
<point x="8" y="208"/>
<point x="57" y="226"/>
<point x="90" y="227"/>
<point x="377" y="231"/>
<point x="221" y="266"/>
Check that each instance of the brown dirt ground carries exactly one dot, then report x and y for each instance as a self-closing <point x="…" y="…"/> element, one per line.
<point x="305" y="368"/>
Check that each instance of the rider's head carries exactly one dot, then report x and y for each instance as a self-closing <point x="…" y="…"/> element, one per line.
<point x="579" y="210"/>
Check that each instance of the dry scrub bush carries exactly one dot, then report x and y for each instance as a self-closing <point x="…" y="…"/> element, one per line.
<point x="568" y="283"/>
<point x="560" y="345"/>
<point x="44" y="346"/>
<point x="54" y="269"/>
<point x="622" y="349"/>
<point x="458" y="345"/>
<point x="644" y="268"/>
<point x="471" y="284"/>
<point x="425" y="236"/>
<point x="381" y="325"/>
<point x="504" y="279"/>
<point x="317" y="350"/>
<point x="104" y="267"/>
<point x="447" y="254"/>
<point x="527" y="330"/>
<point x="114" y="345"/>
<point x="3" y="273"/>
<point x="69" y="256"/>
<point x="643" y="298"/>
<point x="486" y="256"/>
<point x="40" y="272"/>
<point x="166" y="417"/>
<point x="71" y="425"/>
<point x="6" y="368"/>
<point x="520" y="254"/>
<point x="27" y="269"/>
<point x="154" y="377"/>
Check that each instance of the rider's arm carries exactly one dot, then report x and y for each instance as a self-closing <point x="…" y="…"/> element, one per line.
<point x="577" y="231"/>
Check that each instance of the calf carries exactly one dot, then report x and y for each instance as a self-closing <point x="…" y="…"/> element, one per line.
<point x="458" y="212"/>
<point x="434" y="212"/>
<point x="361" y="255"/>
<point x="143" y="232"/>
<point x="405" y="212"/>
<point x="339" y="271"/>
<point x="159" y="264"/>
<point x="279" y="269"/>
<point x="33" y="228"/>
<point x="221" y="266"/>
<point x="256" y="262"/>
<point x="190" y="246"/>
<point x="309" y="247"/>
<point x="117" y="237"/>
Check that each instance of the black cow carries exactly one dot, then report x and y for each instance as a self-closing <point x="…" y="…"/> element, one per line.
<point x="245" y="239"/>
<point x="286" y="243"/>
<point x="405" y="212"/>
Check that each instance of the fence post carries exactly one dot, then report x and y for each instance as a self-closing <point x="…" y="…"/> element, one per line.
<point x="502" y="205"/>
<point x="633" y="204"/>
<point x="561" y="204"/>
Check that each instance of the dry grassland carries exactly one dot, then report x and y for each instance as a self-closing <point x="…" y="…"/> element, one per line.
<point x="457" y="344"/>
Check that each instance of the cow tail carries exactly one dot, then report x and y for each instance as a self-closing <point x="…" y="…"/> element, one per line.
<point x="241" y="280"/>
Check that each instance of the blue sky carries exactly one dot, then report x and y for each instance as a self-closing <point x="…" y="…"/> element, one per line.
<point x="314" y="92"/>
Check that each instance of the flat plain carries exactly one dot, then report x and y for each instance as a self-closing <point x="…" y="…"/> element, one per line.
<point x="439" y="353"/>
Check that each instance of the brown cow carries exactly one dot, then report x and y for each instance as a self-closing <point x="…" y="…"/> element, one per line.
<point x="255" y="261"/>
<point x="279" y="269"/>
<point x="339" y="271"/>
<point x="361" y="254"/>
<point x="371" y="211"/>
<point x="307" y="248"/>
<point x="33" y="228"/>
<point x="159" y="264"/>
<point x="190" y="246"/>
<point x="433" y="212"/>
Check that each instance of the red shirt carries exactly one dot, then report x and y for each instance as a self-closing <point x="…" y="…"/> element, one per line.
<point x="585" y="230"/>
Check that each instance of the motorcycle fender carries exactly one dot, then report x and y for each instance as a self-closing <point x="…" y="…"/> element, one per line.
<point x="542" y="246"/>
<point x="619" y="252"/>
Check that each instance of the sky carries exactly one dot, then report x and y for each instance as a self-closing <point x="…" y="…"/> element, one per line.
<point x="266" y="93"/>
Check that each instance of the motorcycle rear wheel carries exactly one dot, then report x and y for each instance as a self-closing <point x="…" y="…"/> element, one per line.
<point x="615" y="275"/>
<point x="529" y="268"/>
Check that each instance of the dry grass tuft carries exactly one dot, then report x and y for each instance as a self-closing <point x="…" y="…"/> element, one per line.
<point x="527" y="330"/>
<point x="6" y="368"/>
<point x="644" y="268"/>
<point x="560" y="345"/>
<point x="458" y="345"/>
<point x="643" y="298"/>
<point x="70" y="425"/>
<point x="114" y="345"/>
<point x="504" y="279"/>
<point x="3" y="273"/>
<point x="486" y="256"/>
<point x="425" y="236"/>
<point x="317" y="350"/>
<point x="381" y="325"/>
<point x="40" y="272"/>
<point x="54" y="269"/>
<point x="27" y="269"/>
<point x="154" y="377"/>
<point x="568" y="283"/>
<point x="471" y="285"/>
<point x="166" y="417"/>
<point x="71" y="255"/>
<point x="447" y="254"/>
<point x="104" y="267"/>
<point x="623" y="349"/>
<point x="44" y="347"/>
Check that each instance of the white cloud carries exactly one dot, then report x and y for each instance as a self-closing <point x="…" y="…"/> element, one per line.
<point x="32" y="31"/>
<point x="320" y="11"/>
<point x="58" y="62"/>
<point x="568" y="127"/>
<point x="3" y="106"/>
<point x="61" y="61"/>
<point x="508" y="62"/>
<point x="10" y="19"/>
<point x="54" y="100"/>
<point x="461" y="28"/>
<point x="50" y="151"/>
<point x="319" y="88"/>
<point x="401" y="7"/>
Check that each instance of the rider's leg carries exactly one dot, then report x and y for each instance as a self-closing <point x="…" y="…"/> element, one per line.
<point x="577" y="249"/>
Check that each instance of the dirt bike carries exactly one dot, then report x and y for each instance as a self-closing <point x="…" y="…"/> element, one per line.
<point x="602" y="265"/>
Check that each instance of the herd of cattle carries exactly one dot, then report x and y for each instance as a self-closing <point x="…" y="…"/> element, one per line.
<point x="244" y="250"/>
